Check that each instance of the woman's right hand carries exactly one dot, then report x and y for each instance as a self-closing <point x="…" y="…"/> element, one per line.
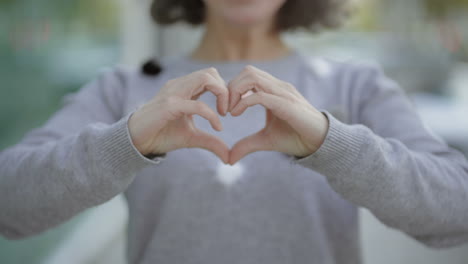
<point x="165" y="123"/>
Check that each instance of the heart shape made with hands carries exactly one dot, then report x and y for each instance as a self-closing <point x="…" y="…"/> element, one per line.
<point x="292" y="125"/>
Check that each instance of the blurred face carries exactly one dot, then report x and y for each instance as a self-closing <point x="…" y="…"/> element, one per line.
<point x="244" y="13"/>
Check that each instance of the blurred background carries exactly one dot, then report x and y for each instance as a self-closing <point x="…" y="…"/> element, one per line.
<point x="49" y="48"/>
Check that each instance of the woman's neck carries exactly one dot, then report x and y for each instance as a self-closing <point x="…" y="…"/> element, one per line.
<point x="222" y="42"/>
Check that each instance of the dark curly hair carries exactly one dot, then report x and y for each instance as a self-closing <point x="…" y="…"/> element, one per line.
<point x="294" y="14"/>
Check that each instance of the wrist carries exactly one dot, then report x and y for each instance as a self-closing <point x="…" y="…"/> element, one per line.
<point x="323" y="126"/>
<point x="134" y="134"/>
<point x="320" y="127"/>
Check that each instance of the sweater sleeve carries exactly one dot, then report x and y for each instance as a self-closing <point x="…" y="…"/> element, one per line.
<point x="81" y="157"/>
<point x="390" y="163"/>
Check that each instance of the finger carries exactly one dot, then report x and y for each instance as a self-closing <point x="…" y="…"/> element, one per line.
<point x="233" y="86"/>
<point x="283" y="86"/>
<point x="190" y="107"/>
<point x="257" y="71"/>
<point x="250" y="144"/>
<point x="252" y="81"/>
<point x="271" y="102"/>
<point x="223" y="97"/>
<point x="242" y="84"/>
<point x="211" y="143"/>
<point x="222" y="100"/>
<point x="210" y="80"/>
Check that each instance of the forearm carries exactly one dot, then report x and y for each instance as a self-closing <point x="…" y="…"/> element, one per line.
<point x="43" y="185"/>
<point x="422" y="193"/>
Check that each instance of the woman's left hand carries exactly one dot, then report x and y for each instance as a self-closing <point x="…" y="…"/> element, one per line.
<point x="293" y="126"/>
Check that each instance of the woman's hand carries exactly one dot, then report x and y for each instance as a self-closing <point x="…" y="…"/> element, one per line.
<point x="165" y="123"/>
<point x="293" y="126"/>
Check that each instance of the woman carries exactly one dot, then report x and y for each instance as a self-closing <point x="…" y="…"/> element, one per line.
<point x="336" y="137"/>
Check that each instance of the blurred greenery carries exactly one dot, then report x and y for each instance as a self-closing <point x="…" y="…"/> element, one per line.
<point x="365" y="16"/>
<point x="34" y="249"/>
<point x="48" y="48"/>
<point x="443" y="8"/>
<point x="52" y="48"/>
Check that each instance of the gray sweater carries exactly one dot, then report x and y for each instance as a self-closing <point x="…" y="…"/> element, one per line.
<point x="377" y="155"/>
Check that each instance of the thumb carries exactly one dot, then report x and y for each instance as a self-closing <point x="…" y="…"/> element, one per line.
<point x="204" y="140"/>
<point x="247" y="145"/>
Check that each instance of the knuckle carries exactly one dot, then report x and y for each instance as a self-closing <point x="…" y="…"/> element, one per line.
<point x="212" y="70"/>
<point x="224" y="90"/>
<point x="289" y="86"/>
<point x="252" y="77"/>
<point x="249" y="68"/>
<point x="205" y="77"/>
